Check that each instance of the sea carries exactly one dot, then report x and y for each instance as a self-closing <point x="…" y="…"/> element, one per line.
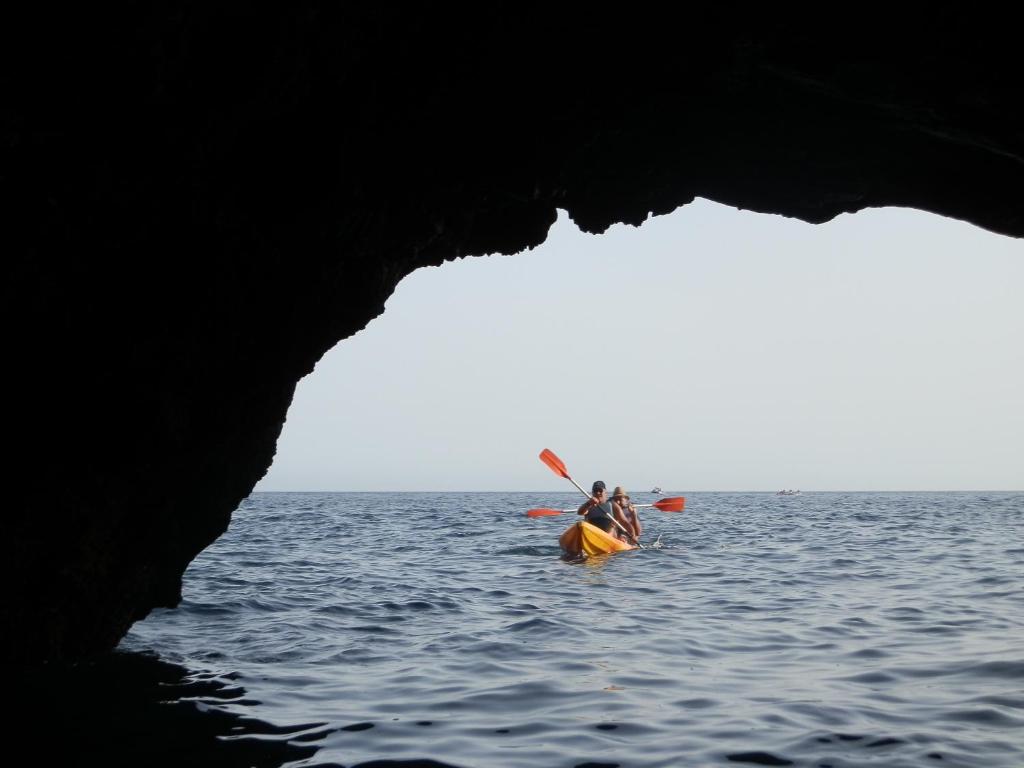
<point x="824" y="630"/>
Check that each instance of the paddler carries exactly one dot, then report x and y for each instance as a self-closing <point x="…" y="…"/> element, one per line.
<point x="630" y="517"/>
<point x="601" y="511"/>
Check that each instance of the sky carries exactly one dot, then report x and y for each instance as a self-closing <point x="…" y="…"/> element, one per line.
<point x="707" y="350"/>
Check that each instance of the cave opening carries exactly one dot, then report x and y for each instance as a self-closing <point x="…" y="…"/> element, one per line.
<point x="724" y="350"/>
<point x="382" y="588"/>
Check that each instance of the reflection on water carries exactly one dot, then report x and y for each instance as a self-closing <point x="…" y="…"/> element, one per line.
<point x="133" y="709"/>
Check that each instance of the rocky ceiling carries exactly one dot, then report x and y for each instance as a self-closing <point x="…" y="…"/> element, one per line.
<point x="200" y="199"/>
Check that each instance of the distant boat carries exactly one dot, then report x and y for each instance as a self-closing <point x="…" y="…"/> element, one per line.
<point x="789" y="493"/>
<point x="656" y="489"/>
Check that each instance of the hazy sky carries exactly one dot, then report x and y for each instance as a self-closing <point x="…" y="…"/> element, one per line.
<point x="712" y="349"/>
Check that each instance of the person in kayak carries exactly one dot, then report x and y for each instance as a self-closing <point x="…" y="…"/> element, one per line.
<point x="601" y="511"/>
<point x="630" y="517"/>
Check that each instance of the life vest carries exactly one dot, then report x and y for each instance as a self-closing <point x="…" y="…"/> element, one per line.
<point x="596" y="513"/>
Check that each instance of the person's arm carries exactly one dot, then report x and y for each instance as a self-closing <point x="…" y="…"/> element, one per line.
<point x="586" y="506"/>
<point x="620" y="515"/>
<point x="637" y="527"/>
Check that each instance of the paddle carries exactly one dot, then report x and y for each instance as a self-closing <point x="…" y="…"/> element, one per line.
<point x="546" y="512"/>
<point x="558" y="467"/>
<point x="673" y="504"/>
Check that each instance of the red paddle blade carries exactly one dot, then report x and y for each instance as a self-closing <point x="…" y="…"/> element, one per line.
<point x="674" y="504"/>
<point x="542" y="512"/>
<point x="555" y="463"/>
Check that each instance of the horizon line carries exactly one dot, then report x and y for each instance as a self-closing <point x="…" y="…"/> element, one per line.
<point x="662" y="493"/>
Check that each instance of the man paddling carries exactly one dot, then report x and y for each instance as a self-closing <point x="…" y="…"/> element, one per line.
<point x="601" y="511"/>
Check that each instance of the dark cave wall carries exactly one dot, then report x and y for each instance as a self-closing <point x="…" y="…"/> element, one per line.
<point x="201" y="199"/>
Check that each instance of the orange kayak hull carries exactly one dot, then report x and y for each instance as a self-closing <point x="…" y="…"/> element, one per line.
<point x="582" y="538"/>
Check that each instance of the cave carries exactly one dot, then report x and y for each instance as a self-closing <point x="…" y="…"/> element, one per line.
<point x="201" y="200"/>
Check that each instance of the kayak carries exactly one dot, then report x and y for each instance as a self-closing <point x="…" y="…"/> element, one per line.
<point x="582" y="538"/>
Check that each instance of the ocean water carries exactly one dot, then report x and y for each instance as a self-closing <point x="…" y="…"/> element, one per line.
<point x="826" y="630"/>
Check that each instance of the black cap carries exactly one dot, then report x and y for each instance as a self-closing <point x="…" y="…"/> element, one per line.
<point x="597" y="486"/>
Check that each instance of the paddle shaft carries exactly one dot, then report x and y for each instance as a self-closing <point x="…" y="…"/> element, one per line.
<point x="576" y="508"/>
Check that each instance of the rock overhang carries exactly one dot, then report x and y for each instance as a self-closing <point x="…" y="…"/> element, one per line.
<point x="202" y="201"/>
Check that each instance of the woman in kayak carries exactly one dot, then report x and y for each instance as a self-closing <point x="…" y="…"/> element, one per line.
<point x="629" y="514"/>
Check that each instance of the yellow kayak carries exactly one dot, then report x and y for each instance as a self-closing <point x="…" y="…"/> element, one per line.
<point x="582" y="538"/>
